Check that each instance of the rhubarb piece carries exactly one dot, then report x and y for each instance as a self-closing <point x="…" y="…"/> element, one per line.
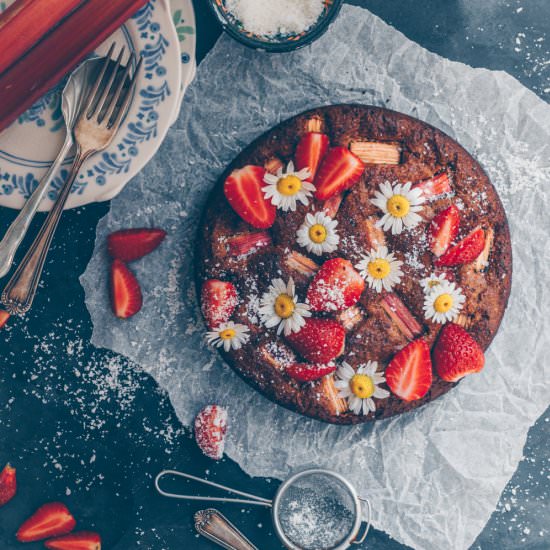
<point x="466" y="251"/>
<point x="314" y="124"/>
<point x="278" y="356"/>
<point x="210" y="431"/>
<point x="377" y="152"/>
<point x="8" y="484"/>
<point x="50" y="520"/>
<point x="83" y="540"/>
<point x="351" y="317"/>
<point x="374" y="234"/>
<point x="4" y="316"/>
<point x="340" y="170"/>
<point x="302" y="264"/>
<point x="482" y="261"/>
<point x="246" y="243"/>
<point x="319" y="341"/>
<point x="126" y="298"/>
<point x="132" y="244"/>
<point x="310" y="151"/>
<point x="327" y="394"/>
<point x="332" y="205"/>
<point x="400" y="314"/>
<point x="435" y="187"/>
<point x="243" y="190"/>
<point x="59" y="52"/>
<point x="443" y="230"/>
<point x="456" y="354"/>
<point x="218" y="302"/>
<point x="273" y="165"/>
<point x="302" y="372"/>
<point x="409" y="374"/>
<point x="463" y="321"/>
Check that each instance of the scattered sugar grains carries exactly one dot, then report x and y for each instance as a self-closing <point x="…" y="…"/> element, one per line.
<point x="272" y="17"/>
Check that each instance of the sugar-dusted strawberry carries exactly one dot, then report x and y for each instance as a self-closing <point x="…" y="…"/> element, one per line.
<point x="436" y="186"/>
<point x="126" y="298"/>
<point x="82" y="540"/>
<point x="4" y="316"/>
<point x="218" y="302"/>
<point x="409" y="374"/>
<point x="340" y="169"/>
<point x="310" y="151"/>
<point x="131" y="244"/>
<point x="243" y="190"/>
<point x="335" y="287"/>
<point x="303" y="372"/>
<point x="319" y="341"/>
<point x="466" y="251"/>
<point x="8" y="484"/>
<point x="246" y="243"/>
<point x="210" y="430"/>
<point x="443" y="230"/>
<point x="50" y="520"/>
<point x="456" y="354"/>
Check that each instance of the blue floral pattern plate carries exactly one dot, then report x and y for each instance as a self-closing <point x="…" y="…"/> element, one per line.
<point x="29" y="145"/>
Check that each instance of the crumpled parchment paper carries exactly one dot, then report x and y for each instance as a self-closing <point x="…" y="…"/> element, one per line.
<point x="434" y="476"/>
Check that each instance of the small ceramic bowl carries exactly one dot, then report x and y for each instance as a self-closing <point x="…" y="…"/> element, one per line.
<point x="276" y="43"/>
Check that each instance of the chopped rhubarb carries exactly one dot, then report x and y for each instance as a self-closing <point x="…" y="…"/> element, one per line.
<point x="350" y="317"/>
<point x="482" y="261"/>
<point x="436" y="186"/>
<point x="302" y="264"/>
<point x="328" y="396"/>
<point x="332" y="205"/>
<point x="375" y="152"/>
<point x="314" y="124"/>
<point x="4" y="316"/>
<point x="400" y="314"/>
<point x="246" y="243"/>
<point x="273" y="165"/>
<point x="463" y="320"/>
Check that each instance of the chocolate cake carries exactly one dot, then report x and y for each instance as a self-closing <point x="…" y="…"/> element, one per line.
<point x="353" y="263"/>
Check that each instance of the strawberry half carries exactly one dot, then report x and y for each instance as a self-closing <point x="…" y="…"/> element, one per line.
<point x="8" y="484"/>
<point x="83" y="540"/>
<point x="210" y="430"/>
<point x="319" y="341"/>
<point x="50" y="520"/>
<point x="466" y="251"/>
<point x="4" y="316"/>
<point x="218" y="302"/>
<point x="132" y="244"/>
<point x="409" y="374"/>
<point x="245" y="243"/>
<point x="243" y="190"/>
<point x="310" y="151"/>
<point x="126" y="298"/>
<point x="303" y="372"/>
<point x="456" y="354"/>
<point x="443" y="230"/>
<point x="339" y="170"/>
<point x="335" y="287"/>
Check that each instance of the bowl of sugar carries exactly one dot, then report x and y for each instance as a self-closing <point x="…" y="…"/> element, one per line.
<point x="275" y="25"/>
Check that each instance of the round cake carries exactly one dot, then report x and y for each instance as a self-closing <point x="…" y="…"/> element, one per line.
<point x="353" y="263"/>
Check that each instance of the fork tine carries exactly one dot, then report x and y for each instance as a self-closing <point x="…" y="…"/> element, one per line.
<point x="117" y="93"/>
<point x="102" y="102"/>
<point x="93" y="92"/>
<point x="127" y="97"/>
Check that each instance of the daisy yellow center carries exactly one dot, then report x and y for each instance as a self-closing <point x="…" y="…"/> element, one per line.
<point x="398" y="206"/>
<point x="434" y="283"/>
<point x="289" y="185"/>
<point x="284" y="306"/>
<point x="362" y="386"/>
<point x="443" y="303"/>
<point x="318" y="233"/>
<point x="227" y="334"/>
<point x="379" y="268"/>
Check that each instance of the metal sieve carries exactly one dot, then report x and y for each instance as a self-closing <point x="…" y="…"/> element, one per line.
<point x="314" y="509"/>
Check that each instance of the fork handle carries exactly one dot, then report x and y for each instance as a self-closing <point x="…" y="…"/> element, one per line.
<point x="19" y="293"/>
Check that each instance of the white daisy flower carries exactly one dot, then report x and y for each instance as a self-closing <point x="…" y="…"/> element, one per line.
<point x="432" y="281"/>
<point x="318" y="234"/>
<point x="285" y="189"/>
<point x="360" y="386"/>
<point x="443" y="302"/>
<point x="400" y="205"/>
<point x="380" y="269"/>
<point x="280" y="306"/>
<point x="230" y="335"/>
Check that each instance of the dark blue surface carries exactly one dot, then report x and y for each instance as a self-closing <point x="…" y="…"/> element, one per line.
<point x="86" y="427"/>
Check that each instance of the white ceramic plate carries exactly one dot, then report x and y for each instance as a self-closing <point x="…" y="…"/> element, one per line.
<point x="30" y="144"/>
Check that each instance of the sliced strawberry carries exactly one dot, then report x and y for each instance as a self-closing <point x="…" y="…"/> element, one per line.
<point x="131" y="244"/>
<point x="210" y="430"/>
<point x="466" y="251"/>
<point x="456" y="354"/>
<point x="336" y="286"/>
<point x="339" y="170"/>
<point x="303" y="372"/>
<point x="218" y="302"/>
<point x="310" y="151"/>
<point x="50" y="520"/>
<point x="4" y="316"/>
<point x="83" y="540"/>
<point x="443" y="230"/>
<point x="242" y="244"/>
<point x="243" y="190"/>
<point x="126" y="298"/>
<point x="409" y="374"/>
<point x="401" y="315"/>
<point x="436" y="186"/>
<point x="319" y="341"/>
<point x="8" y="484"/>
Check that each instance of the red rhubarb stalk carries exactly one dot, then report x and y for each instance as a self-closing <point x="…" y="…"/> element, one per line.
<point x="400" y="314"/>
<point x="433" y="187"/>
<point x="240" y="245"/>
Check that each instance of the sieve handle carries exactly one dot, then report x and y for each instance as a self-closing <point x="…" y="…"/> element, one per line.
<point x="251" y="499"/>
<point x="361" y="540"/>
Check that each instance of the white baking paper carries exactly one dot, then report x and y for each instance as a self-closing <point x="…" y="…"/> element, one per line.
<point x="434" y="476"/>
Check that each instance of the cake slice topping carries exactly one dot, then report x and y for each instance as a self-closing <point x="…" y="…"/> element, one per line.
<point x="466" y="251"/>
<point x="380" y="269"/>
<point x="310" y="151"/>
<point x="318" y="234"/>
<point x="443" y="230"/>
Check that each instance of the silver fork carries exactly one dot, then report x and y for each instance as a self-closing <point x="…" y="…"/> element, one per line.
<point x="98" y="122"/>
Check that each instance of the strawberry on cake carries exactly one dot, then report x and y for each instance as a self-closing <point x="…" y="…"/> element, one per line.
<point x="353" y="263"/>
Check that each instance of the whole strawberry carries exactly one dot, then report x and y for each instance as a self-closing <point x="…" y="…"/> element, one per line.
<point x="210" y="430"/>
<point x="456" y="354"/>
